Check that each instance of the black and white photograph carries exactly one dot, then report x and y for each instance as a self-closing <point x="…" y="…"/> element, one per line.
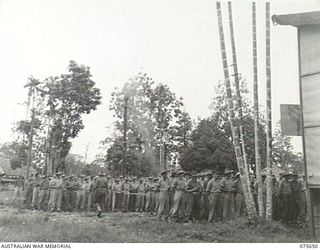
<point x="160" y="121"/>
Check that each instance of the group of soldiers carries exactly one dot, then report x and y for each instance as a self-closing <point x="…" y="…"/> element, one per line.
<point x="175" y="196"/>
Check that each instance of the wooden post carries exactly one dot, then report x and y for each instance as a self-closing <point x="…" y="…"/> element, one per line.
<point x="29" y="156"/>
<point x="250" y="205"/>
<point x="125" y="144"/>
<point x="268" y="117"/>
<point x="256" y="111"/>
<point x="246" y="178"/>
<point x="161" y="150"/>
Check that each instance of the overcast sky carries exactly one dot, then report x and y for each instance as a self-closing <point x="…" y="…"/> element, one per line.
<point x="175" y="42"/>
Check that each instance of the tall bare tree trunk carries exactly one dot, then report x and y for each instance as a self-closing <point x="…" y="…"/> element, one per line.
<point x="256" y="111"/>
<point x="244" y="178"/>
<point x="268" y="117"/>
<point x="239" y="106"/>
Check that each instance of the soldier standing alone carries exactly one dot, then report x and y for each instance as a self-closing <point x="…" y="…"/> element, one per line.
<point x="99" y="192"/>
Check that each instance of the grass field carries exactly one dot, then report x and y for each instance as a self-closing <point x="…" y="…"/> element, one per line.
<point x="28" y="226"/>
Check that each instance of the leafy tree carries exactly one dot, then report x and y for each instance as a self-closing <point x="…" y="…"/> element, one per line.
<point x="210" y="148"/>
<point x="154" y="115"/>
<point x="211" y="140"/>
<point x="68" y="97"/>
<point x="57" y="105"/>
<point x="283" y="155"/>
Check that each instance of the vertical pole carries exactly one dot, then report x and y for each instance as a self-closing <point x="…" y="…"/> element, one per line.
<point x="125" y="144"/>
<point x="239" y="103"/>
<point x="161" y="151"/>
<point x="47" y="146"/>
<point x="256" y="110"/>
<point x="268" y="116"/>
<point x="234" y="131"/>
<point x="29" y="156"/>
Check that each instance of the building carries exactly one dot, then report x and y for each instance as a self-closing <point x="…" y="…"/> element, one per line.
<point x="308" y="27"/>
<point x="7" y="172"/>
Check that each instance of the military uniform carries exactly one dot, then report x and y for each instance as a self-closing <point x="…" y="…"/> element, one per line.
<point x="69" y="193"/>
<point x="215" y="198"/>
<point x="116" y="195"/>
<point x="28" y="192"/>
<point x="133" y="196"/>
<point x="156" y="191"/>
<point x="164" y="187"/>
<point x="178" y="210"/>
<point x="302" y="201"/>
<point x="90" y="194"/>
<point x="296" y="202"/>
<point x="35" y="191"/>
<point x="192" y="195"/>
<point x="79" y="194"/>
<point x="285" y="198"/>
<point x="171" y="192"/>
<point x="18" y="191"/>
<point x="55" y="185"/>
<point x="204" y="200"/>
<point x="126" y="196"/>
<point x="99" y="192"/>
<point x="44" y="194"/>
<point x="275" y="200"/>
<point x="239" y="202"/>
<point x="149" y="195"/>
<point x="227" y="187"/>
<point x="140" y="197"/>
<point x="108" y="199"/>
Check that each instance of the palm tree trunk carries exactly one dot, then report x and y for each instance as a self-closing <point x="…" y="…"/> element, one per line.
<point x="268" y="117"/>
<point x="256" y="112"/>
<point x="234" y="130"/>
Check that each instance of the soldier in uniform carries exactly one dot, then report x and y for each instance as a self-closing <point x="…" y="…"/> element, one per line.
<point x="116" y="194"/>
<point x="149" y="194"/>
<point x="179" y="187"/>
<point x="171" y="192"/>
<point x="185" y="197"/>
<point x="239" y="202"/>
<point x="164" y="187"/>
<point x="285" y="197"/>
<point x="133" y="191"/>
<point x="140" y="196"/>
<point x="90" y="196"/>
<point x="227" y="187"/>
<point x="108" y="200"/>
<point x="302" y="204"/>
<point x="79" y="192"/>
<point x="215" y="197"/>
<point x="28" y="191"/>
<point x="64" y="193"/>
<point x="296" y="202"/>
<point x="69" y="193"/>
<point x="44" y="193"/>
<point x="275" y="199"/>
<point x="204" y="200"/>
<point x="83" y="194"/>
<point x="88" y="189"/>
<point x="126" y="195"/>
<point x="18" y="191"/>
<point x="56" y="185"/>
<point x="192" y="195"/>
<point x="99" y="192"/>
<point x="35" y="191"/>
<point x="156" y="191"/>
